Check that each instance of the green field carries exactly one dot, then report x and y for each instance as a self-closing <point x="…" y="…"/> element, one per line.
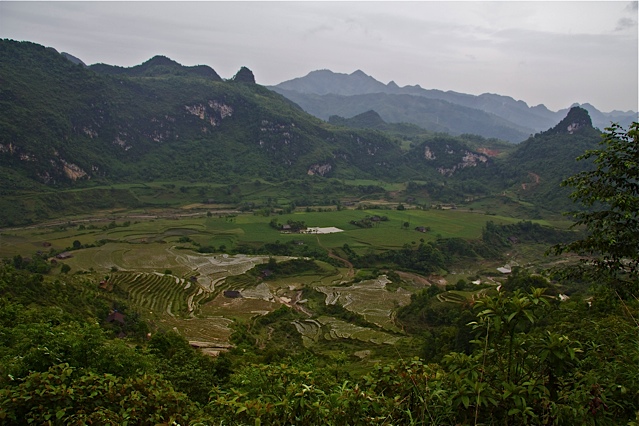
<point x="248" y="228"/>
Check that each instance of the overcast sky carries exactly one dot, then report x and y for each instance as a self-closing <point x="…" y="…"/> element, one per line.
<point x="555" y="53"/>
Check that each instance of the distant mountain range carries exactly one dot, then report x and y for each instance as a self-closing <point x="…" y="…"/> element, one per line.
<point x="324" y="93"/>
<point x="67" y="125"/>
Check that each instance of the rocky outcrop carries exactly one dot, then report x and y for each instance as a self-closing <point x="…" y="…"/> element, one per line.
<point x="213" y="112"/>
<point x="73" y="171"/>
<point x="429" y="154"/>
<point x="470" y="159"/>
<point x="320" y="169"/>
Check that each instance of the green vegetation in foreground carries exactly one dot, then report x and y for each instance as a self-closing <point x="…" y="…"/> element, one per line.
<point x="561" y="373"/>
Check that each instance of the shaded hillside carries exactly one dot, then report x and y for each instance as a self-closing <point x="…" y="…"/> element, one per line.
<point x="527" y="119"/>
<point x="431" y="114"/>
<point x="372" y="120"/>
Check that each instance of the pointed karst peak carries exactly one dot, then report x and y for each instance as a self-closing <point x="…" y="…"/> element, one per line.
<point x="244" y="75"/>
<point x="576" y="120"/>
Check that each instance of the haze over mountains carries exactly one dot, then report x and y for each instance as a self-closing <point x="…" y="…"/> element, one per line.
<point x="324" y="93"/>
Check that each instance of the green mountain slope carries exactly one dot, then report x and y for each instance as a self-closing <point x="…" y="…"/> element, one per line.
<point x="64" y="123"/>
<point x="371" y="120"/>
<point x="158" y="66"/>
<point x="544" y="160"/>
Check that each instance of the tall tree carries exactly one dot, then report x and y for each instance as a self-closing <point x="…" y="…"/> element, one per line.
<point x="610" y="195"/>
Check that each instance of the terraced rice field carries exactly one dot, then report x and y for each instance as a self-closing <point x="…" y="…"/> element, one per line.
<point x="160" y="293"/>
<point x="329" y="328"/>
<point x="213" y="329"/>
<point x="370" y="299"/>
<point x="241" y="308"/>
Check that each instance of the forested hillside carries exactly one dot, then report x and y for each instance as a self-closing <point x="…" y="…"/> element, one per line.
<point x="65" y="125"/>
<point x="546" y="158"/>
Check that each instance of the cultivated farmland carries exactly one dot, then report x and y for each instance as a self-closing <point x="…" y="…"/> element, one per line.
<point x="154" y="260"/>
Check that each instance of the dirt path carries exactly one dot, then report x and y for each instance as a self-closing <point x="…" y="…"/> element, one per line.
<point x="349" y="265"/>
<point x="296" y="305"/>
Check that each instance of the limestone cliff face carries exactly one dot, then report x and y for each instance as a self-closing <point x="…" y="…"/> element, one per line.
<point x="448" y="156"/>
<point x="319" y="169"/>
<point x="429" y="154"/>
<point x="73" y="171"/>
<point x="213" y="111"/>
<point x="470" y="159"/>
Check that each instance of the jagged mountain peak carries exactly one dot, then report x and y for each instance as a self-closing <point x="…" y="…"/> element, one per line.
<point x="324" y="82"/>
<point x="392" y="85"/>
<point x="244" y="75"/>
<point x="517" y="119"/>
<point x="359" y="73"/>
<point x="577" y="120"/>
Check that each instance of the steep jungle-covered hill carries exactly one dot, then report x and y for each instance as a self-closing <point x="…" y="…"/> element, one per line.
<point x="546" y="158"/>
<point x="63" y="123"/>
<point x="158" y="66"/>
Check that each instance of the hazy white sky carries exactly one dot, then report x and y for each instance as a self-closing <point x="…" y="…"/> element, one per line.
<point x="550" y="52"/>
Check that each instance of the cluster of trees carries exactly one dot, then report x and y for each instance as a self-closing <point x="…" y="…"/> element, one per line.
<point x="369" y="221"/>
<point x="430" y="257"/>
<point x="289" y="226"/>
<point x="524" y="232"/>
